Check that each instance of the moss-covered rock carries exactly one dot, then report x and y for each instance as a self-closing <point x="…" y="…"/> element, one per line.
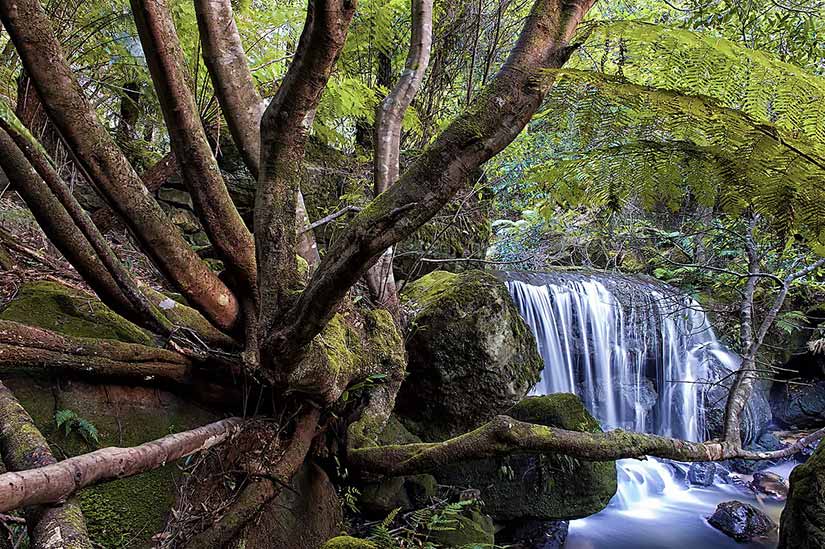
<point x="347" y="542"/>
<point x="471" y="356"/>
<point x="803" y="520"/>
<point x="352" y="341"/>
<point x="126" y="512"/>
<point x="540" y="487"/>
<point x="56" y="307"/>
<point x="470" y="530"/>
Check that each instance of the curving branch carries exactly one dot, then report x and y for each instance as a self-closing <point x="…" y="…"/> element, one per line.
<point x="388" y="122"/>
<point x="495" y="118"/>
<point x="242" y="106"/>
<point x="24" y="448"/>
<point x="285" y="128"/>
<point x="104" y="164"/>
<point x="58" y="481"/>
<point x="129" y="300"/>
<point x="196" y="163"/>
<point x="504" y="436"/>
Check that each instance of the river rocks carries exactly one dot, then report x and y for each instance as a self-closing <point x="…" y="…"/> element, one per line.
<point x="769" y="484"/>
<point x="741" y="521"/>
<point x="471" y="356"/>
<point x="767" y="442"/>
<point x="702" y="474"/>
<point x="539" y="486"/>
<point x="803" y="519"/>
<point x="799" y="406"/>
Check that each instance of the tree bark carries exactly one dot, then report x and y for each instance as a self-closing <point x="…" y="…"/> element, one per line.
<point x="196" y="163"/>
<point x="285" y="127"/>
<point x="58" y="481"/>
<point x="53" y="525"/>
<point x="242" y="106"/>
<point x="389" y="118"/>
<point x="102" y="160"/>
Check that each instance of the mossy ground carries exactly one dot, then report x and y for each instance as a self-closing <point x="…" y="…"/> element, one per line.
<point x="68" y="311"/>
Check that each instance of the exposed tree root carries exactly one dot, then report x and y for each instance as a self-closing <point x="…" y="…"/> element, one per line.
<point x="57" y="481"/>
<point x="25" y="347"/>
<point x="55" y="526"/>
<point x="505" y="435"/>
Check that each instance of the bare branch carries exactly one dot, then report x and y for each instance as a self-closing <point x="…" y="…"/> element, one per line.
<point x="60" y="480"/>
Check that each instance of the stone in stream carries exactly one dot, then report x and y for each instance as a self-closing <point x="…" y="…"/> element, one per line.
<point x="702" y="474"/>
<point x="769" y="484"/>
<point x="741" y="521"/>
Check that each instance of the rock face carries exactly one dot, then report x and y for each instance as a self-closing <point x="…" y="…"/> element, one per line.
<point x="741" y="521"/>
<point x="702" y="474"/>
<point x="803" y="519"/>
<point x="471" y="356"/>
<point x="534" y="534"/>
<point x="799" y="406"/>
<point x="303" y="517"/>
<point x="540" y="487"/>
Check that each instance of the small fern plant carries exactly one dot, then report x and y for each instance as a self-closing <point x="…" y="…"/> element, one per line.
<point x="69" y="422"/>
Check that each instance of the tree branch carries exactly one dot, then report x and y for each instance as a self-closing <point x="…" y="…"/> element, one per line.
<point x="285" y="127"/>
<point x="196" y="163"/>
<point x="60" y="480"/>
<point x="98" y="155"/>
<point x="24" y="347"/>
<point x="388" y="122"/>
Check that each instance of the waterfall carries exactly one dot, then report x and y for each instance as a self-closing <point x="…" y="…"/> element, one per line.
<point x="639" y="355"/>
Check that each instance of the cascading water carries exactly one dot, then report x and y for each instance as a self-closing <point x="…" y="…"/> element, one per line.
<point x="639" y="355"/>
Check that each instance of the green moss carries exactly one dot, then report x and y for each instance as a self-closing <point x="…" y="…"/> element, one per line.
<point x="347" y="542"/>
<point x="68" y="311"/>
<point x="562" y="410"/>
<point x="470" y="530"/>
<point x="426" y="290"/>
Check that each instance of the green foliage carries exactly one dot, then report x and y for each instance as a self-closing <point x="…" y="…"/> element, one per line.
<point x="416" y="528"/>
<point x="70" y="422"/>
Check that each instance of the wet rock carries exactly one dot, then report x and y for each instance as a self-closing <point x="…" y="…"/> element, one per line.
<point x="546" y="487"/>
<point x="769" y="484"/>
<point x="799" y="406"/>
<point x="471" y="356"/>
<point x="741" y="521"/>
<point x="754" y="422"/>
<point x="702" y="474"/>
<point x="534" y="534"/>
<point x="471" y="529"/>
<point x="803" y="519"/>
<point x="175" y="196"/>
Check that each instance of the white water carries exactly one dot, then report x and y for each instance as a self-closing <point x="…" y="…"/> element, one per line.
<point x="642" y="366"/>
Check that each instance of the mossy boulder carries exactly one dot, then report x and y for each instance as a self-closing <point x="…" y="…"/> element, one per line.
<point x="471" y="356"/>
<point x="472" y="529"/>
<point x="62" y="309"/>
<point x="347" y="542"/>
<point x="545" y="487"/>
<point x="126" y="512"/>
<point x="354" y="340"/>
<point x="802" y="525"/>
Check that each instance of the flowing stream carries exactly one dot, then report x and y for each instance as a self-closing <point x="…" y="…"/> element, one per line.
<point x="639" y="355"/>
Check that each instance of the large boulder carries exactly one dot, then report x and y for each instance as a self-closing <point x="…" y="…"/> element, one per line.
<point x="544" y="487"/>
<point x="803" y="519"/>
<point x="799" y="406"/>
<point x="471" y="356"/>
